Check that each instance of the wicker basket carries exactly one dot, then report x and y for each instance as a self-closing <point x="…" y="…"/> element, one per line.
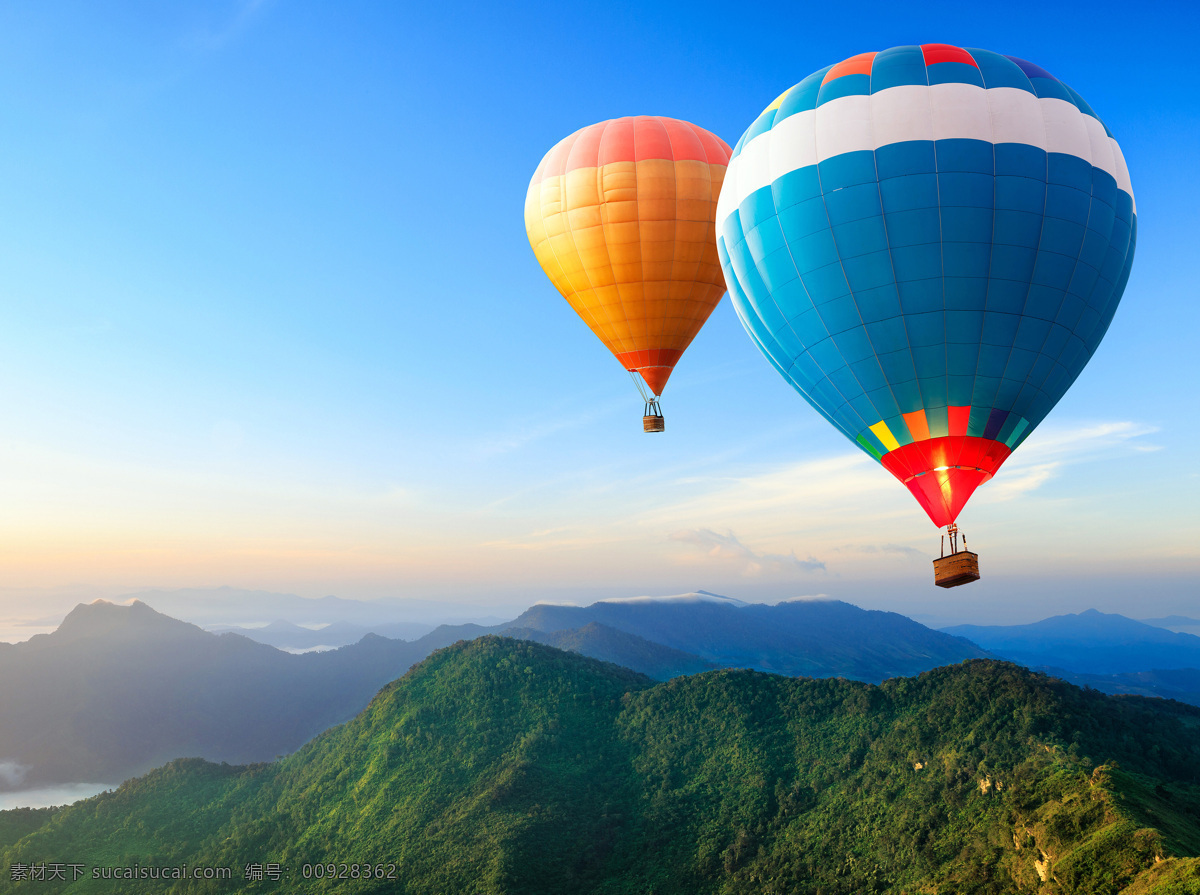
<point x="653" y="424"/>
<point x="955" y="569"/>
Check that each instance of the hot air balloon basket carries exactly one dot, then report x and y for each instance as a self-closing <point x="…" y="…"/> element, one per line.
<point x="955" y="569"/>
<point x="653" y="424"/>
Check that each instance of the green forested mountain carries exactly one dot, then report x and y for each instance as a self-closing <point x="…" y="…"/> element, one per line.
<point x="118" y="690"/>
<point x="610" y="645"/>
<point x="508" y="766"/>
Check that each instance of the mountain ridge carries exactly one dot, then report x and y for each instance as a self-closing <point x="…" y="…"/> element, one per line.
<point x="504" y="766"/>
<point x="118" y="689"/>
<point x="121" y="688"/>
<point x="598" y="641"/>
<point x="1089" y="642"/>
<point x="800" y="637"/>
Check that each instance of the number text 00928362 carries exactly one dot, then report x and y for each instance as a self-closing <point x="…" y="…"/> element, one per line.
<point x="333" y="870"/>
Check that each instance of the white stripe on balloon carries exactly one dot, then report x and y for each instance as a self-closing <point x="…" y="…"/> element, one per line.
<point x="919" y="112"/>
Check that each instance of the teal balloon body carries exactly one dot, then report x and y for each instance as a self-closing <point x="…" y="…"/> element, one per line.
<point x="929" y="244"/>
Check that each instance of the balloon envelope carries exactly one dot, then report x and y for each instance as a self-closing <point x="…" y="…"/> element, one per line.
<point x="928" y="243"/>
<point x="621" y="218"/>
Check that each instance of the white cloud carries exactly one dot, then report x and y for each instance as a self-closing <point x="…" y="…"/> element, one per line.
<point x="12" y="774"/>
<point x="217" y="35"/>
<point x="519" y="433"/>
<point x="1047" y="451"/>
<point x="809" y="493"/>
<point x="884" y="549"/>
<point x="1082" y="440"/>
<point x="848" y="493"/>
<point x="1017" y="480"/>
<point x="535" y="542"/>
<point x="728" y="549"/>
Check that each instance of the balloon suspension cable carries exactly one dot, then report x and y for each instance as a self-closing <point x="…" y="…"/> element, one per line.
<point x="640" y="384"/>
<point x="652" y="418"/>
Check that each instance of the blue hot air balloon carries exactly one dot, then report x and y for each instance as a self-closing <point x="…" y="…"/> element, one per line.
<point x="928" y="243"/>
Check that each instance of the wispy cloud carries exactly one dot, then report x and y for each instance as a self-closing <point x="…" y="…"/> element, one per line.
<point x="1015" y="480"/>
<point x="217" y="35"/>
<point x="838" y="493"/>
<point x="533" y="542"/>
<point x="1047" y="451"/>
<point x="883" y="549"/>
<point x="1085" y="439"/>
<point x="525" y="431"/>
<point x="12" y="774"/>
<point x="808" y="491"/>
<point x="727" y="548"/>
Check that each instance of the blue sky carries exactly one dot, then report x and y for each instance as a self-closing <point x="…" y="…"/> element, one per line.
<point x="270" y="319"/>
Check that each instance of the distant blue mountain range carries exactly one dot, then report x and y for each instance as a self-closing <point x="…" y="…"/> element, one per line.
<point x="1089" y="642"/>
<point x="818" y="638"/>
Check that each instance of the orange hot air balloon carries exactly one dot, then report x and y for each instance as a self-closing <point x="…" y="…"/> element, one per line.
<point x="621" y="217"/>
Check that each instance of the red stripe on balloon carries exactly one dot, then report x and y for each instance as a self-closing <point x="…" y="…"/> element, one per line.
<point x="958" y="418"/>
<point x="935" y="53"/>
<point x="655" y="365"/>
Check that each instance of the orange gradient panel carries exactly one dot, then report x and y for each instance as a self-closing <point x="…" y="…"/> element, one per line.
<point x="629" y="239"/>
<point x="855" y="65"/>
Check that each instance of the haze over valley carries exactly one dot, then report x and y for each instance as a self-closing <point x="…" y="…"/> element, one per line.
<point x="118" y="689"/>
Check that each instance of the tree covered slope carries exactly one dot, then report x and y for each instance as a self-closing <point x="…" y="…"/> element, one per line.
<point x="610" y="645"/>
<point x="508" y="766"/>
